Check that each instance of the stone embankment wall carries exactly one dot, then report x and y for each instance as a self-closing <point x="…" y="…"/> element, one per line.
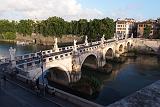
<point x="146" y="97"/>
<point x="49" y="40"/>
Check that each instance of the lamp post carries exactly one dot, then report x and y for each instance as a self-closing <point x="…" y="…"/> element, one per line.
<point x="41" y="60"/>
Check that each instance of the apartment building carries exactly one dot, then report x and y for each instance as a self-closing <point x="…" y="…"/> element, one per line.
<point x="152" y="23"/>
<point x="125" y="26"/>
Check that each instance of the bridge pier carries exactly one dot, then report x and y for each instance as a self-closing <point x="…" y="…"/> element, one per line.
<point x="76" y="67"/>
<point x="75" y="76"/>
<point x="101" y="58"/>
<point x="101" y="63"/>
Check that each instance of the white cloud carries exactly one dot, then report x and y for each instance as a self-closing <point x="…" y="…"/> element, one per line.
<point x="42" y="9"/>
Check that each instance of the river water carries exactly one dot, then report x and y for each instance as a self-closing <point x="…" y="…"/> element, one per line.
<point x="125" y="79"/>
<point x="20" y="50"/>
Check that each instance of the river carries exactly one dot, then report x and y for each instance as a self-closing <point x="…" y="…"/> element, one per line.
<point x="125" y="79"/>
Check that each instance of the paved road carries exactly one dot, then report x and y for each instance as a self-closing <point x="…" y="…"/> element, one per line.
<point x="12" y="95"/>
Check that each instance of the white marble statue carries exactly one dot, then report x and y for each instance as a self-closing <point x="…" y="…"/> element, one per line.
<point x="75" y="45"/>
<point x="56" y="45"/>
<point x="86" y="40"/>
<point x="55" y="41"/>
<point x="132" y="35"/>
<point x="114" y="36"/>
<point x="12" y="53"/>
<point x="102" y="39"/>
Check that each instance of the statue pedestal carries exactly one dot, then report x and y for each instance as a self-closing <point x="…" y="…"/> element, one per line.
<point x="13" y="63"/>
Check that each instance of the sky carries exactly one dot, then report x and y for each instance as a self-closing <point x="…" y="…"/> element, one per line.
<point x="78" y="9"/>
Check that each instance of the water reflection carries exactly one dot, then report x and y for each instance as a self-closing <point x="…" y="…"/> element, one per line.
<point x="128" y="78"/>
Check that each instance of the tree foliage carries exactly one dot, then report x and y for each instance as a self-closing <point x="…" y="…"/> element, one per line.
<point x="147" y="31"/>
<point x="56" y="26"/>
<point x="10" y="35"/>
<point x="6" y="28"/>
<point x="25" y="27"/>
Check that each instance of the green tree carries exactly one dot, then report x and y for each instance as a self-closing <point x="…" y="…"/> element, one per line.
<point x="7" y="28"/>
<point x="158" y="34"/>
<point x="147" y="31"/>
<point x="107" y="27"/>
<point x="25" y="27"/>
<point x="56" y="26"/>
<point x="83" y="26"/>
<point x="10" y="35"/>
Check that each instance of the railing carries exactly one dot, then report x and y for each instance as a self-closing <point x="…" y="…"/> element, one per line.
<point x="57" y="57"/>
<point x="30" y="65"/>
<point x="81" y="48"/>
<point x="49" y="52"/>
<point x="4" y="60"/>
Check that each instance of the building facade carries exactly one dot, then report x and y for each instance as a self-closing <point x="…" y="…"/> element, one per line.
<point x="125" y="26"/>
<point x="154" y="27"/>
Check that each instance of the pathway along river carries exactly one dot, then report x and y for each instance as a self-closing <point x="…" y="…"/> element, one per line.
<point x="125" y="79"/>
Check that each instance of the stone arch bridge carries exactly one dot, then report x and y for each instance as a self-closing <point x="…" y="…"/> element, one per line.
<point x="70" y="59"/>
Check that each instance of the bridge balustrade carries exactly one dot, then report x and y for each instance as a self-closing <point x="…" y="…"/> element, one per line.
<point x="33" y="61"/>
<point x="57" y="57"/>
<point x="61" y="56"/>
<point x="21" y="71"/>
<point x="50" y="59"/>
<point x="26" y="56"/>
<point x="28" y="66"/>
<point x="2" y="61"/>
<point x="60" y="49"/>
<point x="66" y="54"/>
<point x="88" y="49"/>
<point x="46" y="52"/>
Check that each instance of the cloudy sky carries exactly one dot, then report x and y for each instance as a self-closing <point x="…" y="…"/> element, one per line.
<point x="76" y="9"/>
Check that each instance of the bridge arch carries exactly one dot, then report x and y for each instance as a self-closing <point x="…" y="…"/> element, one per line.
<point x="59" y="72"/>
<point x="128" y="46"/>
<point x="131" y="45"/>
<point x="120" y="48"/>
<point x="90" y="60"/>
<point x="109" y="53"/>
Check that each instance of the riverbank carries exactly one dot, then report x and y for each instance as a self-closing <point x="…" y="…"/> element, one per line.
<point x="41" y="40"/>
<point x="48" y="40"/>
<point x="9" y="41"/>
